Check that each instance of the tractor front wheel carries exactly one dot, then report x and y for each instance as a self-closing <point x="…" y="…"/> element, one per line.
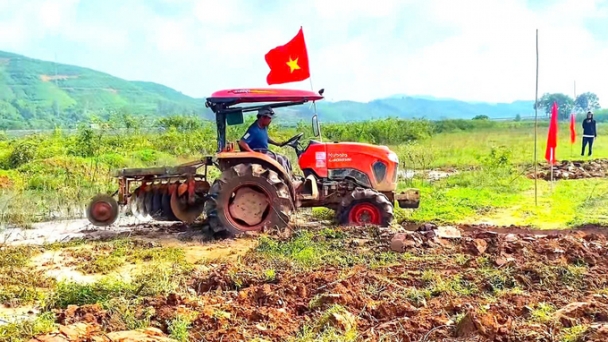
<point x="365" y="207"/>
<point x="248" y="197"/>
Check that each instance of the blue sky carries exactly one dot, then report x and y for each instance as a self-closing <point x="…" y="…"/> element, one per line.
<point x="475" y="50"/>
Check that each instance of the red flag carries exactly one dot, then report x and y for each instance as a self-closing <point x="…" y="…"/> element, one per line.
<point x="289" y="62"/>
<point x="552" y="136"/>
<point x="572" y="129"/>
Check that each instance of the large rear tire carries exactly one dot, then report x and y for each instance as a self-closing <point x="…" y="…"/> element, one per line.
<point x="365" y="207"/>
<point x="247" y="198"/>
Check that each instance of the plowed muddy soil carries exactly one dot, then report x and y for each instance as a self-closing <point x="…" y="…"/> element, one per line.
<point x="364" y="284"/>
<point x="575" y="169"/>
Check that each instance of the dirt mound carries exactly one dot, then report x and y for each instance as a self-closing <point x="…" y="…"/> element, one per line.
<point x="445" y="283"/>
<point x="576" y="169"/>
<point x="94" y="333"/>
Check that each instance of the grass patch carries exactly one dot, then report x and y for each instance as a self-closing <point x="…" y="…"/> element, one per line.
<point x="323" y="214"/>
<point x="179" y="326"/>
<point x="542" y="312"/>
<point x="21" y="283"/>
<point x="573" y="334"/>
<point x="128" y="314"/>
<point x="307" y="250"/>
<point x="25" y="330"/>
<point x="165" y="271"/>
<point x="334" y="324"/>
<point x="16" y="256"/>
<point x="72" y="293"/>
<point x="106" y="257"/>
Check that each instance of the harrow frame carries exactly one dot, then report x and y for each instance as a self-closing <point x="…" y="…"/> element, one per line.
<point x="182" y="181"/>
<point x="149" y="175"/>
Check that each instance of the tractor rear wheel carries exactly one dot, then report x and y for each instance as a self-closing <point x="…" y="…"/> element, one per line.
<point x="248" y="197"/>
<point x="365" y="207"/>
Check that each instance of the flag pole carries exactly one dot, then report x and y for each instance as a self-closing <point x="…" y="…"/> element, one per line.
<point x="536" y="128"/>
<point x="552" y="140"/>
<point x="314" y="103"/>
<point x="551" y="164"/>
<point x="309" y="68"/>
<point x="574" y="116"/>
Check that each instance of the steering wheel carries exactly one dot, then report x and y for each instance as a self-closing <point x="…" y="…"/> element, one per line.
<point x="293" y="141"/>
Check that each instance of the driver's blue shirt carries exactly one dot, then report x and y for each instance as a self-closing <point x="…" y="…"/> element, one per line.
<point x="256" y="137"/>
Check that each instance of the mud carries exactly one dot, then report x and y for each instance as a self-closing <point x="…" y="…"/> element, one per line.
<point x="575" y="169"/>
<point x="480" y="284"/>
<point x="66" y="230"/>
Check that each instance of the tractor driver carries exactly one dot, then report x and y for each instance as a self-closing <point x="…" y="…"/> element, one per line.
<point x="256" y="138"/>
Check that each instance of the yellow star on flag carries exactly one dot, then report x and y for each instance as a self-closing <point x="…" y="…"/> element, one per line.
<point x="293" y="64"/>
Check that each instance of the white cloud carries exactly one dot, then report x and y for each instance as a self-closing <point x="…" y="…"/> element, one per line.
<point x="172" y="37"/>
<point x="471" y="49"/>
<point x="493" y="56"/>
<point x="222" y="14"/>
<point x="53" y="13"/>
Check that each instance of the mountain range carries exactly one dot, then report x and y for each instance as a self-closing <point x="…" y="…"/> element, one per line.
<point x="37" y="94"/>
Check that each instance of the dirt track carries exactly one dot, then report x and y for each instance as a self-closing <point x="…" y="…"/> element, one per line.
<point x="516" y="285"/>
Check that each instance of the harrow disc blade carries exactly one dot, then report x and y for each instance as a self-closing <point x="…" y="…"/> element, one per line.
<point x="183" y="212"/>
<point x="157" y="209"/>
<point x="140" y="212"/>
<point x="132" y="202"/>
<point x="148" y="202"/>
<point x="166" y="205"/>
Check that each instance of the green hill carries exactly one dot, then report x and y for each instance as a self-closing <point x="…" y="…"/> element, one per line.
<point x="40" y="94"/>
<point x="36" y="94"/>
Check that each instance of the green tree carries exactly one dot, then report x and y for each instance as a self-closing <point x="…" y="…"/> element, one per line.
<point x="587" y="101"/>
<point x="564" y="104"/>
<point x="181" y="123"/>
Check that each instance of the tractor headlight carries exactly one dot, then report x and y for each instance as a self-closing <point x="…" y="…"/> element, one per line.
<point x="392" y="156"/>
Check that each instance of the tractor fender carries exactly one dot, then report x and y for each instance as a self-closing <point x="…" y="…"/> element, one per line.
<point x="229" y="159"/>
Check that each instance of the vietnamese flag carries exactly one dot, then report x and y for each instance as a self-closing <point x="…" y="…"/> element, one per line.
<point x="572" y="129"/>
<point x="289" y="62"/>
<point x="552" y="136"/>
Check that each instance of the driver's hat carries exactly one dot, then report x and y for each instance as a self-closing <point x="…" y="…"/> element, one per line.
<point x="266" y="111"/>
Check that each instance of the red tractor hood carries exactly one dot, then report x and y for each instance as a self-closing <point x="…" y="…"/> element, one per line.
<point x="322" y="158"/>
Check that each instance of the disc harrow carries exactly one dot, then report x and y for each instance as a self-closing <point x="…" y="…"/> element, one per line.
<point x="162" y="194"/>
<point x="169" y="200"/>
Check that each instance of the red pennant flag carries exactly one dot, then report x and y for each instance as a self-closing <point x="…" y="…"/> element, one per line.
<point x="572" y="129"/>
<point x="552" y="136"/>
<point x="289" y="62"/>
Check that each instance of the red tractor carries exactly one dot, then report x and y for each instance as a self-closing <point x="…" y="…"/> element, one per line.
<point x="356" y="180"/>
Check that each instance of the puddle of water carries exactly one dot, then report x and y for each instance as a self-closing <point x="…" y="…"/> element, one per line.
<point x="432" y="175"/>
<point x="15" y="315"/>
<point x="53" y="263"/>
<point x="57" y="231"/>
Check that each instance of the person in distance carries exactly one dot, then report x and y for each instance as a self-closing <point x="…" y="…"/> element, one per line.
<point x="589" y="133"/>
